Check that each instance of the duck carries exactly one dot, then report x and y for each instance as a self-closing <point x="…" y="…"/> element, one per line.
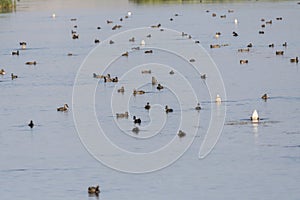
<point x="250" y="45"/>
<point x="125" y="54"/>
<point x="136" y="120"/>
<point x="235" y="21"/>
<point x="135" y="48"/>
<point x="75" y="36"/>
<point x="265" y="97"/>
<point x="15" y="53"/>
<point x="263" y="25"/>
<point x="147" y="106"/>
<point x="203" y="76"/>
<point x="156" y="26"/>
<point x="143" y="43"/>
<point x="197" y="41"/>
<point x="271" y="45"/>
<point x="213" y="14"/>
<point x="31" y="125"/>
<point x="222" y="16"/>
<point x="148" y="36"/>
<point x="148" y="51"/>
<point x="284" y="44"/>
<point x="2" y="72"/>
<point x="116" y="27"/>
<point x="269" y="22"/>
<point x="254" y="117"/>
<point x="198" y="107"/>
<point x="171" y="72"/>
<point x="31" y="63"/>
<point x="97" y="76"/>
<point x="135" y="92"/>
<point x="122" y="115"/>
<point x="218" y="99"/>
<point x="115" y="80"/>
<point x="294" y="60"/>
<point x="181" y="134"/>
<point x="94" y="190"/>
<point x="244" y="50"/>
<point x="109" y="21"/>
<point x="243" y="61"/>
<point x="111" y="42"/>
<point x="23" y="45"/>
<point x="261" y="32"/>
<point x="278" y="18"/>
<point x="192" y="60"/>
<point x="214" y="46"/>
<point x="235" y="34"/>
<point x="279" y="52"/>
<point x="154" y="80"/>
<point x="64" y="108"/>
<point x="159" y="87"/>
<point x="146" y="71"/>
<point x="131" y="39"/>
<point x="136" y="130"/>
<point x="13" y="76"/>
<point x="97" y="41"/>
<point x="168" y="110"/>
<point x="121" y="90"/>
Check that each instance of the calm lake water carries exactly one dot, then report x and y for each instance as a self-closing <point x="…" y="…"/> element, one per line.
<point x="250" y="161"/>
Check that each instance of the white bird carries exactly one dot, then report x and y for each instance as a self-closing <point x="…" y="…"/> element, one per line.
<point x="254" y="117"/>
<point x="129" y="13"/>
<point x="218" y="99"/>
<point x="53" y="15"/>
<point x="235" y="21"/>
<point x="143" y="43"/>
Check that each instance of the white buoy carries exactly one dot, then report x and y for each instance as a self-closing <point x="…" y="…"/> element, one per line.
<point x="143" y="43"/>
<point x="235" y="21"/>
<point x="254" y="116"/>
<point x="53" y="15"/>
<point x="129" y="13"/>
<point x="218" y="99"/>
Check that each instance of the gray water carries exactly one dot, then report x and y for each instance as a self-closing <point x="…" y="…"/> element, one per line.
<point x="250" y="161"/>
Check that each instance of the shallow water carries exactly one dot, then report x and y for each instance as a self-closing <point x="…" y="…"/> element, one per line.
<point x="250" y="161"/>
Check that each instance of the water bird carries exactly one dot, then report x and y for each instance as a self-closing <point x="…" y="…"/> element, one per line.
<point x="171" y="19"/>
<point x="213" y="14"/>
<point x="73" y="19"/>
<point x="15" y="53"/>
<point x="97" y="41"/>
<point x="97" y="76"/>
<point x="148" y="36"/>
<point x="53" y="15"/>
<point x="254" y="117"/>
<point x="143" y="43"/>
<point x="250" y="45"/>
<point x="146" y="71"/>
<point x="264" y="97"/>
<point x="13" y="76"/>
<point x="278" y="18"/>
<point x="109" y="21"/>
<point x="171" y="72"/>
<point x="136" y="130"/>
<point x="2" y="72"/>
<point x="203" y="76"/>
<point x="156" y="26"/>
<point x="129" y="13"/>
<point x="197" y="41"/>
<point x="23" y="45"/>
<point x="235" y="21"/>
<point x="111" y="42"/>
<point x="122" y="115"/>
<point x="159" y="87"/>
<point x="121" y="90"/>
<point x="271" y="45"/>
<point x="31" y="63"/>
<point x="154" y="80"/>
<point x="64" y="108"/>
<point x="31" y="125"/>
<point x="75" y="36"/>
<point x="230" y="11"/>
<point x="94" y="190"/>
<point x="294" y="60"/>
<point x="147" y="106"/>
<point x="168" y="110"/>
<point x="135" y="48"/>
<point x="218" y="99"/>
<point x="148" y="51"/>
<point x="192" y="60"/>
<point x="244" y="50"/>
<point x="135" y="92"/>
<point x="121" y="19"/>
<point x="136" y="120"/>
<point x="222" y="16"/>
<point x="125" y="54"/>
<point x="214" y="46"/>
<point x="116" y="27"/>
<point x="181" y="134"/>
<point x="198" y="107"/>
<point x="284" y="44"/>
<point x="235" y="34"/>
<point x="263" y="25"/>
<point x="243" y="62"/>
<point x="132" y="39"/>
<point x="279" y="52"/>
<point x="261" y="32"/>
<point x="98" y="27"/>
<point x="269" y="22"/>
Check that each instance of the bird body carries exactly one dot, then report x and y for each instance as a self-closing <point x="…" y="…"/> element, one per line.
<point x="64" y="108"/>
<point x="147" y="106"/>
<point x="254" y="117"/>
<point x="31" y="125"/>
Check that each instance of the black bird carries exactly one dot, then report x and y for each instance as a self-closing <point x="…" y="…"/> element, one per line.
<point x="31" y="125"/>
<point x="136" y="120"/>
<point x="235" y="34"/>
<point x="147" y="106"/>
<point x="168" y="110"/>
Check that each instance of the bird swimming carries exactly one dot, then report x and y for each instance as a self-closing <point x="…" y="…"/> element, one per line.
<point x="147" y="106"/>
<point x="31" y="125"/>
<point x="64" y="108"/>
<point x="254" y="117"/>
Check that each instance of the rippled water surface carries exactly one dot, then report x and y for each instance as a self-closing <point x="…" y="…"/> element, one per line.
<point x="250" y="161"/>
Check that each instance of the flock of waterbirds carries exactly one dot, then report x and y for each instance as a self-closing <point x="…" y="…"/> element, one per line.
<point x="95" y="190"/>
